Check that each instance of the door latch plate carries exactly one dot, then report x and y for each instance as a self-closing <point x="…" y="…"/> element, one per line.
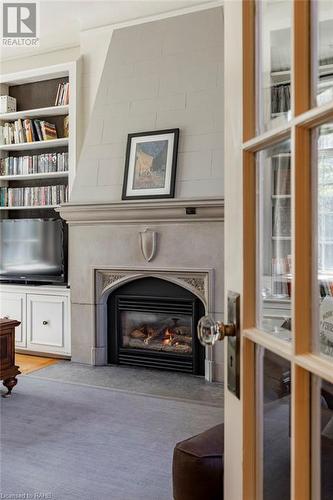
<point x="234" y="344"/>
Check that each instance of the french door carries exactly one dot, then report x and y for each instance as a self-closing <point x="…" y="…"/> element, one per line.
<point x="279" y="206"/>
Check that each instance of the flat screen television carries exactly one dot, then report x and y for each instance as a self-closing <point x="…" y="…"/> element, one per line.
<point x="32" y="250"/>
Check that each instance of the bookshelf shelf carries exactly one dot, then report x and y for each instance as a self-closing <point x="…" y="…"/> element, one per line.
<point x="46" y="175"/>
<point x="282" y="155"/>
<point x="325" y="69"/>
<point x="278" y="238"/>
<point x="326" y="150"/>
<point x="24" y="146"/>
<point x="281" y="196"/>
<point x="35" y="113"/>
<point x="32" y="207"/>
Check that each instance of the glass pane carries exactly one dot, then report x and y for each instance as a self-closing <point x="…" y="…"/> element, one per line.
<point x="274" y="52"/>
<point x="274" y="240"/>
<point x="322" y="450"/>
<point x="325" y="236"/>
<point x="325" y="52"/>
<point x="276" y="431"/>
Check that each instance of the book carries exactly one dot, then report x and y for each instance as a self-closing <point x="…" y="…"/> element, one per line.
<point x="38" y="130"/>
<point x="57" y="95"/>
<point x="49" y="131"/>
<point x="22" y="135"/>
<point x="27" y="128"/>
<point x="66" y="126"/>
<point x="62" y="95"/>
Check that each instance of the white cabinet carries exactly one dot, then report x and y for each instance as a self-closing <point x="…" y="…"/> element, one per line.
<point x="44" y="315"/>
<point x="47" y="323"/>
<point x="13" y="306"/>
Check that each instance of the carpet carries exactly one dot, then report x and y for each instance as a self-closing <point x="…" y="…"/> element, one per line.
<point x="66" y="441"/>
<point x="146" y="381"/>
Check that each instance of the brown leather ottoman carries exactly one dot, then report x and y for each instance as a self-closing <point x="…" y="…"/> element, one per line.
<point x="197" y="469"/>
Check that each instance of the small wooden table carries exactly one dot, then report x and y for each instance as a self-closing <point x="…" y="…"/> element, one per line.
<point x="8" y="369"/>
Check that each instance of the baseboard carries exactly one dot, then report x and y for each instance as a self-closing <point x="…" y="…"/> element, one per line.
<point x="41" y="354"/>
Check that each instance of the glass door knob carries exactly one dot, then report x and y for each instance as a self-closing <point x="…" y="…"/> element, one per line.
<point x="210" y="331"/>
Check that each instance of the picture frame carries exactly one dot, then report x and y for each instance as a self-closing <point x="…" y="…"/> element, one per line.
<point x="150" y="165"/>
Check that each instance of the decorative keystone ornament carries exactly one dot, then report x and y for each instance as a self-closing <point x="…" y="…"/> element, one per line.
<point x="148" y="239"/>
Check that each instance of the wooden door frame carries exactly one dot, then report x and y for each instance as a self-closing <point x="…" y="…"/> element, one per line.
<point x="304" y="362"/>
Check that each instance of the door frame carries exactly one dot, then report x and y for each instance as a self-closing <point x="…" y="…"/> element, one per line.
<point x="305" y="362"/>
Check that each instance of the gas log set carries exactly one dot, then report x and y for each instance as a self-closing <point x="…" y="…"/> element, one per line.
<point x="169" y="337"/>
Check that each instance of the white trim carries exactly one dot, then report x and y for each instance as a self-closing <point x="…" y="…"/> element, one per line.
<point x="158" y="17"/>
<point x="50" y="50"/>
<point x="38" y="74"/>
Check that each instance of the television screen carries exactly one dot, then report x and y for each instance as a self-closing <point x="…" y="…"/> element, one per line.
<point x="32" y="250"/>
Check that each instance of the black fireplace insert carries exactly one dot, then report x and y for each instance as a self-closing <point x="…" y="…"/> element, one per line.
<point x="152" y="323"/>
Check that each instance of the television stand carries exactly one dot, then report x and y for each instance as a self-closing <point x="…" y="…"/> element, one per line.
<point x="44" y="314"/>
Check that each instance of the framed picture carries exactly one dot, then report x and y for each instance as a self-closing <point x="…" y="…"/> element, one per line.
<point x="150" y="167"/>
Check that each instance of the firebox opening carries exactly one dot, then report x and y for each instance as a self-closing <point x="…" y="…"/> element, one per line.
<point x="152" y="323"/>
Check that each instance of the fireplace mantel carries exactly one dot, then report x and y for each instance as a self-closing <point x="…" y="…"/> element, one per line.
<point x="108" y="238"/>
<point x="148" y="211"/>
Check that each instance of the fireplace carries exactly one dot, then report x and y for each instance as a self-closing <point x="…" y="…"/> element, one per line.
<point x="152" y="323"/>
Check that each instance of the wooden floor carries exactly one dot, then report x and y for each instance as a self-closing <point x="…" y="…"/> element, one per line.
<point x="28" y="364"/>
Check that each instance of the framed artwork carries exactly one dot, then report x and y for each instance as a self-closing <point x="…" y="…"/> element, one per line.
<point x="150" y="166"/>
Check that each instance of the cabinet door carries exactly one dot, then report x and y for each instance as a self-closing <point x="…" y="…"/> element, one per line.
<point x="47" y="323"/>
<point x="12" y="306"/>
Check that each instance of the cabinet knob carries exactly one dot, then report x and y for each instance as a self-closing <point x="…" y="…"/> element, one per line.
<point x="45" y="322"/>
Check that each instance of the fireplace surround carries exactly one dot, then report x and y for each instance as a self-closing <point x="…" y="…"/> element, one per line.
<point x="152" y="323"/>
<point x="105" y="253"/>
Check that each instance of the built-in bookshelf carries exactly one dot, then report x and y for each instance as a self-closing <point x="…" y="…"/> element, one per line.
<point x="280" y="89"/>
<point x="38" y="142"/>
<point x="281" y="224"/>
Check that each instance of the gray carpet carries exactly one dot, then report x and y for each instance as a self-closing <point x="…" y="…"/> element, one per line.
<point x="67" y="441"/>
<point x="139" y="380"/>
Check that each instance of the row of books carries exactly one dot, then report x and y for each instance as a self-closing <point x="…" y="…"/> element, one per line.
<point x="281" y="288"/>
<point x="33" y="196"/>
<point x="36" y="164"/>
<point x="326" y="288"/>
<point x="27" y="130"/>
<point x="280" y="98"/>
<point x="62" y="97"/>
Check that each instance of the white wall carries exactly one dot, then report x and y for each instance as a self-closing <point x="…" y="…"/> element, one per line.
<point x="161" y="74"/>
